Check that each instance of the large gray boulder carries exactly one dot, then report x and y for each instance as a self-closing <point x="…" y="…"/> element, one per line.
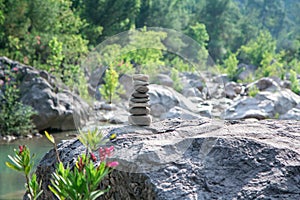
<point x="197" y="159"/>
<point x="56" y="107"/>
<point x="163" y="98"/>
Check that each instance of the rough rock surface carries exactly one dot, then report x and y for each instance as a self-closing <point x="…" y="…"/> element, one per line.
<point x="198" y="159"/>
<point x="55" y="104"/>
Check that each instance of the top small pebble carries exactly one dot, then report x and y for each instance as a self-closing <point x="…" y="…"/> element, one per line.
<point x="140" y="77"/>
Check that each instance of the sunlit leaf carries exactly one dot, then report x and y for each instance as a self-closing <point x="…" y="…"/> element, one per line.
<point x="50" y="137"/>
<point x="14" y="167"/>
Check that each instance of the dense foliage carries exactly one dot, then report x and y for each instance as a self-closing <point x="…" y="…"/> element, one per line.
<point x="15" y="118"/>
<point x="56" y="34"/>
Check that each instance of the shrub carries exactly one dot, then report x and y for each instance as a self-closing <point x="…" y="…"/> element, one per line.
<point x="108" y="90"/>
<point x="295" y="87"/>
<point x="231" y="66"/>
<point x="83" y="181"/>
<point x="177" y="85"/>
<point x="15" y="118"/>
<point x="271" y="65"/>
<point x="253" y="51"/>
<point x="253" y="91"/>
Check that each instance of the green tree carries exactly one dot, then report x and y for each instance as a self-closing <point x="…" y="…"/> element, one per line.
<point x="108" y="90"/>
<point x="231" y="66"/>
<point x="255" y="49"/>
<point x="221" y="19"/>
<point x="113" y="16"/>
<point x="171" y="14"/>
<point x="198" y="32"/>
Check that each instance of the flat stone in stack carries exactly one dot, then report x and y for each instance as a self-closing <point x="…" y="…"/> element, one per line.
<point x="138" y="104"/>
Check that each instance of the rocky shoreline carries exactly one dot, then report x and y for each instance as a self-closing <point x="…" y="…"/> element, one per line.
<point x="205" y="96"/>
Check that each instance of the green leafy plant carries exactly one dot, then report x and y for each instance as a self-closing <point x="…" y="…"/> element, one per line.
<point x="15" y="118"/>
<point x="108" y="90"/>
<point x="231" y="66"/>
<point x="253" y="91"/>
<point x="271" y="65"/>
<point x="80" y="183"/>
<point x="176" y="80"/>
<point x="295" y="86"/>
<point x="254" y="51"/>
<point x="180" y="65"/>
<point x="56" y="57"/>
<point x="22" y="162"/>
<point x="83" y="181"/>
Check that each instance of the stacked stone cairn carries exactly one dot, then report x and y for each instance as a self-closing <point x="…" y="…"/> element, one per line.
<point x="138" y="104"/>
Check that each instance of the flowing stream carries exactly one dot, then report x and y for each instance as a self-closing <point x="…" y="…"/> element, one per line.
<point x="11" y="182"/>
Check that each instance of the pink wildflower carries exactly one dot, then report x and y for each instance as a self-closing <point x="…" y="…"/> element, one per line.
<point x="112" y="164"/>
<point x="109" y="151"/>
<point x="21" y="148"/>
<point x="102" y="154"/>
<point x="1" y="82"/>
<point x="15" y="69"/>
<point x="93" y="157"/>
<point x="106" y="152"/>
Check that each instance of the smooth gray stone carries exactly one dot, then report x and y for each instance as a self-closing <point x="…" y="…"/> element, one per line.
<point x="134" y="104"/>
<point x="140" y="95"/>
<point x="136" y="83"/>
<point x="141" y="88"/>
<point x="139" y="110"/>
<point x="139" y="100"/>
<point x="144" y="120"/>
<point x="140" y="77"/>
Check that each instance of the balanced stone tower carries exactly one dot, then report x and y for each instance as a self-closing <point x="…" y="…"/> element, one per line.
<point x="138" y="104"/>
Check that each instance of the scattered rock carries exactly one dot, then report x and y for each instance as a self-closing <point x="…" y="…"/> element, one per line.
<point x="191" y="92"/>
<point x="265" y="84"/>
<point x="232" y="90"/>
<point x="127" y="84"/>
<point x="163" y="98"/>
<point x="246" y="71"/>
<point x="293" y="114"/>
<point x="108" y="106"/>
<point x="163" y="79"/>
<point x="264" y="105"/>
<point x="157" y="109"/>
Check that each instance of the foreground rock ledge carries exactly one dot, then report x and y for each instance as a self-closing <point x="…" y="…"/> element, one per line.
<point x="230" y="160"/>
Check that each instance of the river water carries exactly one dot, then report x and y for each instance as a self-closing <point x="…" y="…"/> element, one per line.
<point x="11" y="182"/>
